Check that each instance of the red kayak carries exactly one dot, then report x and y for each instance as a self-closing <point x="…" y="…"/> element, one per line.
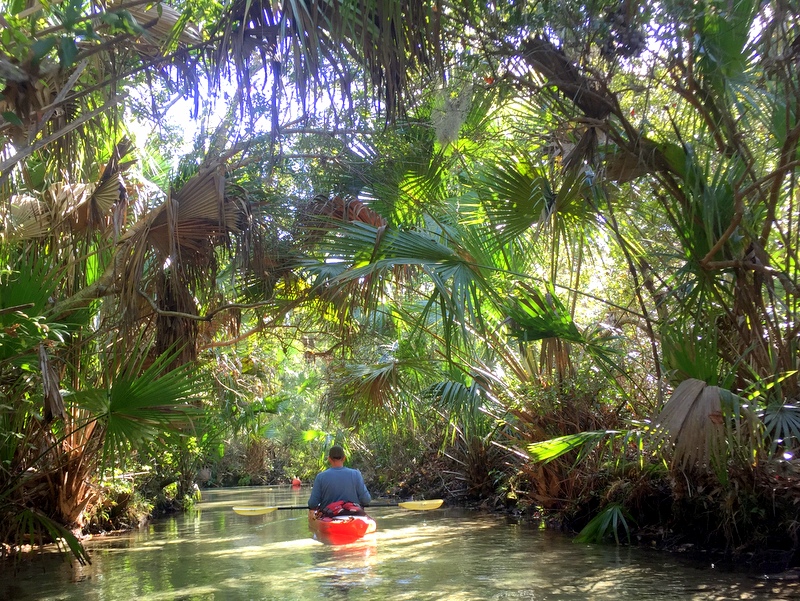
<point x="340" y="530"/>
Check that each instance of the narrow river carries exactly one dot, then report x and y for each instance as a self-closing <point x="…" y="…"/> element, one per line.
<point x="213" y="554"/>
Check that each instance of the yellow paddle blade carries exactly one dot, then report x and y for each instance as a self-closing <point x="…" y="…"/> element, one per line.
<point x="253" y="510"/>
<point x="422" y="505"/>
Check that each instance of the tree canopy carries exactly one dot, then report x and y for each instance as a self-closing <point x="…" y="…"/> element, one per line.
<point x="545" y="231"/>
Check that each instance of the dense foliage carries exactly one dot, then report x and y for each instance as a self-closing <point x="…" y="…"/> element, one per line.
<point x="537" y="255"/>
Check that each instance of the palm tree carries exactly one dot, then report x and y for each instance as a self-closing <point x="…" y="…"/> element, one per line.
<point x="699" y="217"/>
<point x="657" y="142"/>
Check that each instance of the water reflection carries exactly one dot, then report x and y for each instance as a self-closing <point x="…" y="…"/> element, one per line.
<point x="214" y="554"/>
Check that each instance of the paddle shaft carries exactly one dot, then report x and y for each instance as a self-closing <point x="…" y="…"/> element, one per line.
<point x="413" y="505"/>
<point x="306" y="507"/>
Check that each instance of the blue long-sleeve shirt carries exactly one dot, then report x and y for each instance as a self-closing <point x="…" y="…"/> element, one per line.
<point x="338" y="484"/>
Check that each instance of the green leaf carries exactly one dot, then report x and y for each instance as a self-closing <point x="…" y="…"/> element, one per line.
<point x="67" y="51"/>
<point x="140" y="406"/>
<point x="89" y="32"/>
<point x="112" y="19"/>
<point x="533" y="315"/>
<point x="675" y="157"/>
<point x="41" y="48"/>
<point x="12" y="118"/>
<point x="548" y="450"/>
<point x="129" y="24"/>
<point x="782" y="424"/>
<point x="723" y="32"/>
<point x="605" y="525"/>
<point x="17" y="6"/>
<point x="29" y="524"/>
<point x="72" y="13"/>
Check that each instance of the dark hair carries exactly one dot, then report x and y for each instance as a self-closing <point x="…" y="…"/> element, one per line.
<point x="336" y="452"/>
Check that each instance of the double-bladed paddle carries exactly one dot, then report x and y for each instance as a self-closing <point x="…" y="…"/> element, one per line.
<point x="413" y="505"/>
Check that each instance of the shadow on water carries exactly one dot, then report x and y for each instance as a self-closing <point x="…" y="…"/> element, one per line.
<point x="214" y="554"/>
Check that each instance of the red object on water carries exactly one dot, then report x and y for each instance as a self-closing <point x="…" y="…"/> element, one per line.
<point x="341" y="530"/>
<point x="296" y="482"/>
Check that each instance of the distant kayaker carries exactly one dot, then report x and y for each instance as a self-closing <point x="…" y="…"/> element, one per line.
<point x="338" y="484"/>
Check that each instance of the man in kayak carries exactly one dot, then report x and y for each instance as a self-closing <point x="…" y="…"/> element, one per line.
<point x="338" y="489"/>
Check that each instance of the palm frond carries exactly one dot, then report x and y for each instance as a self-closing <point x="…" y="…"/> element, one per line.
<point x="514" y="195"/>
<point x="687" y="423"/>
<point x="26" y="218"/>
<point x="462" y="405"/>
<point x="29" y="525"/>
<point x="361" y="392"/>
<point x="705" y="426"/>
<point x="140" y="405"/>
<point x="723" y="37"/>
<point x="690" y="349"/>
<point x="26" y="292"/>
<point x="782" y="427"/>
<point x="533" y="315"/>
<point x="371" y="252"/>
<point x="607" y="523"/>
<point x="165" y="27"/>
<point x="391" y="39"/>
<point x="583" y="442"/>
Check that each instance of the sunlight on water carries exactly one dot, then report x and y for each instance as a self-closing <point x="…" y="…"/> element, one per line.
<point x="213" y="554"/>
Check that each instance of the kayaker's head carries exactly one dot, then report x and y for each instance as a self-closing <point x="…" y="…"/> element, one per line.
<point x="336" y="456"/>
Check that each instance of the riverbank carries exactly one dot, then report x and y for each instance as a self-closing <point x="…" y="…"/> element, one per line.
<point x="747" y="522"/>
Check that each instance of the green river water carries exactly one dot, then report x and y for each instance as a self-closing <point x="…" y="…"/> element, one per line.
<point x="213" y="554"/>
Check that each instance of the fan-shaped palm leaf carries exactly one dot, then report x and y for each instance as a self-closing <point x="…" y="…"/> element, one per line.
<point x="140" y="405"/>
<point x="76" y="206"/>
<point x="707" y="425"/>
<point x="363" y="391"/>
<point x="26" y="218"/>
<point x="514" y="195"/>
<point x="722" y="38"/>
<point x="370" y="252"/>
<point x="25" y="294"/>
<point x="605" y="524"/>
<point x="31" y="525"/>
<point x="462" y="405"/>
<point x="533" y="315"/>
<point x="782" y="426"/>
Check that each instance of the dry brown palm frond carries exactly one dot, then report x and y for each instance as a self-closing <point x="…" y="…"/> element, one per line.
<point x="53" y="401"/>
<point x="321" y="214"/>
<point x="172" y="331"/>
<point x="555" y="361"/>
<point x="159" y="20"/>
<point x="706" y="425"/>
<point x="691" y="421"/>
<point x="27" y="95"/>
<point x="181" y="236"/>
<point x="107" y="194"/>
<point x="65" y="198"/>
<point x="196" y="217"/>
<point x="84" y="206"/>
<point x="202" y="197"/>
<point x="88" y="206"/>
<point x="26" y="218"/>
